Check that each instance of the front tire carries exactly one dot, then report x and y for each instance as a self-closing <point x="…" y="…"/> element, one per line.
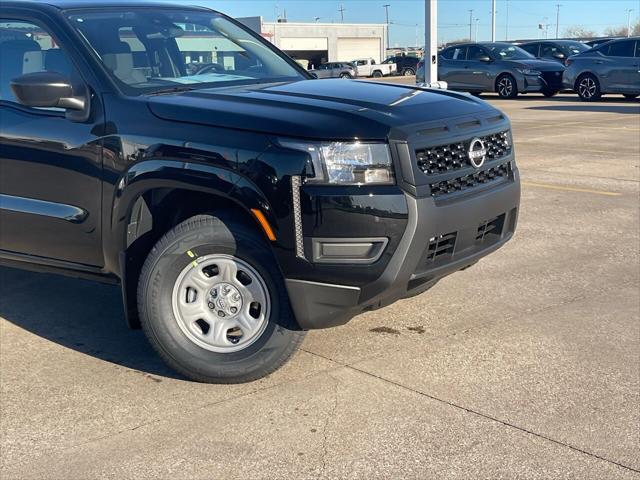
<point x="408" y="72"/>
<point x="630" y="96"/>
<point x="213" y="304"/>
<point x="506" y="86"/>
<point x="588" y="88"/>
<point x="549" y="93"/>
<point x="377" y="74"/>
<point x="345" y="76"/>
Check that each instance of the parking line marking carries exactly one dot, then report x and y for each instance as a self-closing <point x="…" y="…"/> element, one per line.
<point x="571" y="189"/>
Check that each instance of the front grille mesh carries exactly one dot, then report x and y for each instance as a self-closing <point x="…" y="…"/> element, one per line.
<point x="454" y="156"/>
<point x="470" y="181"/>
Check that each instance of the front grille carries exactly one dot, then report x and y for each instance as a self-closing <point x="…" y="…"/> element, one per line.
<point x="441" y="245"/>
<point x="454" y="156"/>
<point x="553" y="79"/>
<point x="467" y="182"/>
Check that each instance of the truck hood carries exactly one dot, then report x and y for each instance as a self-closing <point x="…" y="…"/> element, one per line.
<point x="535" y="64"/>
<point x="315" y="109"/>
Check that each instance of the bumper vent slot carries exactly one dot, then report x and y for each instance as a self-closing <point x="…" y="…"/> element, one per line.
<point x="441" y="245"/>
<point x="454" y="156"/>
<point x="467" y="182"/>
<point x="490" y="230"/>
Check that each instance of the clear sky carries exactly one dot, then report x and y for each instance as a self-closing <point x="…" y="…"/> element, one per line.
<point x="453" y="15"/>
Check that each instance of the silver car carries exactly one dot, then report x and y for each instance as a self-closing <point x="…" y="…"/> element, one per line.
<point x="613" y="67"/>
<point x="335" y="70"/>
<point x="497" y="67"/>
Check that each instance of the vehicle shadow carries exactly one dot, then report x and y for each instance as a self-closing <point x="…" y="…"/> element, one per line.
<point x="77" y="314"/>
<point x="590" y="107"/>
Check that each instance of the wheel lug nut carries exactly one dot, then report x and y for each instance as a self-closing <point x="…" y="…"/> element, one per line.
<point x="234" y="310"/>
<point x="211" y="306"/>
<point x="221" y="313"/>
<point x="236" y="297"/>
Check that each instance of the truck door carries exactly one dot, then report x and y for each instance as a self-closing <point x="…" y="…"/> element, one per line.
<point x="50" y="166"/>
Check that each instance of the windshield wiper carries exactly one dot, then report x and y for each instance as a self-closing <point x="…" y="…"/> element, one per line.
<point x="165" y="91"/>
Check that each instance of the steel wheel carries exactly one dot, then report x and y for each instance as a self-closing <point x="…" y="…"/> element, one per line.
<point x="506" y="88"/>
<point x="409" y="72"/>
<point x="221" y="303"/>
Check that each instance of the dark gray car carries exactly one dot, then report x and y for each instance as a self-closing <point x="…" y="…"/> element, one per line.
<point x="613" y="67"/>
<point x="335" y="70"/>
<point x="498" y="67"/>
<point x="555" y="50"/>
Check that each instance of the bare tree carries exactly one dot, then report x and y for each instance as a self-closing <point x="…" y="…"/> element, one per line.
<point x="636" y="28"/>
<point x="576" y="31"/>
<point x="615" y="31"/>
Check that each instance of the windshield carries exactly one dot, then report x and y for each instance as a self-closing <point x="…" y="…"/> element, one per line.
<point x="151" y="50"/>
<point x="504" y="51"/>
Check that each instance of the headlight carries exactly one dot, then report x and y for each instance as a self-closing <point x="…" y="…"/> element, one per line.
<point x="342" y="163"/>
<point x="528" y="71"/>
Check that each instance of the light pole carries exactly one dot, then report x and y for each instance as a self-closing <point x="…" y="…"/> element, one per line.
<point x="341" y="10"/>
<point x="475" y="37"/>
<point x="557" y="19"/>
<point x="629" y="22"/>
<point x="506" y="33"/>
<point x="386" y="13"/>
<point x="470" y="23"/>
<point x="493" y="20"/>
<point x="430" y="41"/>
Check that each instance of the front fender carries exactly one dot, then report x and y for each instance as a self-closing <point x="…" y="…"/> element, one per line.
<point x="166" y="173"/>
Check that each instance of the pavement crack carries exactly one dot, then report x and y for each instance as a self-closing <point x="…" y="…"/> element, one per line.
<point x="493" y="419"/>
<point x="325" y="428"/>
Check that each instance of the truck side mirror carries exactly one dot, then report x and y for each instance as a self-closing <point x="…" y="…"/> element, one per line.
<point x="484" y="58"/>
<point x="46" y="89"/>
<point x="559" y="55"/>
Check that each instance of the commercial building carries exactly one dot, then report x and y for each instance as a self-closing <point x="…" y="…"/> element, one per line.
<point x="317" y="43"/>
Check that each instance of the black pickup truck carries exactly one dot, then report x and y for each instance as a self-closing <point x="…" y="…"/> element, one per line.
<point x="241" y="206"/>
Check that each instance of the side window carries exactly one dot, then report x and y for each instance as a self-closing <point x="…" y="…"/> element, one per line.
<point x="532" y="49"/>
<point x="548" y="50"/>
<point x="459" y="53"/>
<point x="637" y="49"/>
<point x="28" y="48"/>
<point x="621" y="49"/>
<point x="447" y="54"/>
<point x="475" y="53"/>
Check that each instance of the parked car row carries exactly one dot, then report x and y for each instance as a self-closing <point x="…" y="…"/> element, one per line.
<point x="544" y="66"/>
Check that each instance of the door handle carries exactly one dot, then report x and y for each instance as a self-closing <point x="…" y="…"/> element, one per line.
<point x="598" y="62"/>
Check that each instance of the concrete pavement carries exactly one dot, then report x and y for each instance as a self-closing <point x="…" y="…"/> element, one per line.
<point x="525" y="366"/>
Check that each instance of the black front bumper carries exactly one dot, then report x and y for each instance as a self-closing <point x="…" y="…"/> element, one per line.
<point x="414" y="265"/>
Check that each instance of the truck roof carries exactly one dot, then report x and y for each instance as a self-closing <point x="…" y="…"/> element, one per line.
<point x="72" y="4"/>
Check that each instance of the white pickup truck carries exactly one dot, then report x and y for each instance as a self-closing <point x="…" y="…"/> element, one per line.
<point x="367" y="67"/>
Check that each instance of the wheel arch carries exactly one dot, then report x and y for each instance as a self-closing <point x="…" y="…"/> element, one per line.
<point x="581" y="75"/>
<point x="500" y="75"/>
<point x="156" y="195"/>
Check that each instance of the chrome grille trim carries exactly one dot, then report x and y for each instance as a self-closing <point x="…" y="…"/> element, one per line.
<point x="296" y="182"/>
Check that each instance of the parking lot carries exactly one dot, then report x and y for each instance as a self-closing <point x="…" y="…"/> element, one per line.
<point x="524" y="366"/>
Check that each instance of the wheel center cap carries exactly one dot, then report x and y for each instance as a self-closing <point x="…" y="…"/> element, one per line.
<point x="225" y="300"/>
